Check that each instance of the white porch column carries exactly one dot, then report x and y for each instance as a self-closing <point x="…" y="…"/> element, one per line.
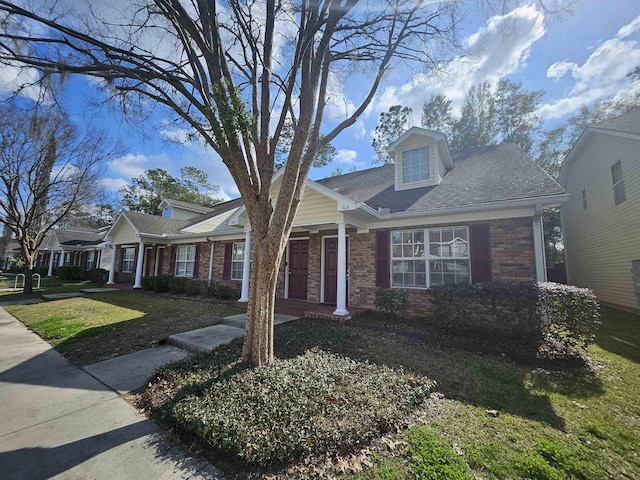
<point x="112" y="269"/>
<point x="61" y="259"/>
<point x="139" y="264"/>
<point x="341" y="296"/>
<point x="50" y="271"/>
<point x="210" y="277"/>
<point x="246" y="268"/>
<point x="538" y="246"/>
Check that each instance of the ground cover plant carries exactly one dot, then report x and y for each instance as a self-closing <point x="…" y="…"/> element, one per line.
<point x="490" y="418"/>
<point x="89" y="329"/>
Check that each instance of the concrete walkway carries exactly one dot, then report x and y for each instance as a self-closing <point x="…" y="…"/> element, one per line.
<point x="58" y="421"/>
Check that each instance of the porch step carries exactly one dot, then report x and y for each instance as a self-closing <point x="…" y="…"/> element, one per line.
<point x="206" y="339"/>
<point x="240" y="320"/>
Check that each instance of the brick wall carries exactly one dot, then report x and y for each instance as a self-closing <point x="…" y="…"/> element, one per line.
<point x="512" y="255"/>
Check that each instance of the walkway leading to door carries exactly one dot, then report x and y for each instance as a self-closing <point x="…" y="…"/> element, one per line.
<point x="301" y="308"/>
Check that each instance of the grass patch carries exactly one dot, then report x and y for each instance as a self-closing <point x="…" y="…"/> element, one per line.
<point x="47" y="285"/>
<point x="573" y="424"/>
<point x="316" y="403"/>
<point x="90" y="329"/>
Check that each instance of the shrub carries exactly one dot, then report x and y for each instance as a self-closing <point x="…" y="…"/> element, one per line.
<point x="148" y="283"/>
<point x="177" y="284"/>
<point x="392" y="302"/>
<point x="42" y="271"/>
<point x="69" y="272"/>
<point x="195" y="287"/>
<point x="97" y="275"/>
<point x="225" y="291"/>
<point x="162" y="283"/>
<point x="570" y="314"/>
<point x="316" y="403"/>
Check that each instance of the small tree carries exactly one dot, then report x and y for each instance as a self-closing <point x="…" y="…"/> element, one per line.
<point x="46" y="169"/>
<point x="147" y="191"/>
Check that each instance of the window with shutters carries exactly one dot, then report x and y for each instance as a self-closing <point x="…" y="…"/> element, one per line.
<point x="448" y="261"/>
<point x="185" y="260"/>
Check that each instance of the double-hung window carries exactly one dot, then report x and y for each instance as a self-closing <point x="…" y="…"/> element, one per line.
<point x="237" y="260"/>
<point x="185" y="260"/>
<point x="447" y="262"/>
<point x="619" y="195"/>
<point x="91" y="260"/>
<point x="415" y="165"/>
<point x="128" y="259"/>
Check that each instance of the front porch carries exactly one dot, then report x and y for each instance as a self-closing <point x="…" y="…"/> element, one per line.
<point x="301" y="308"/>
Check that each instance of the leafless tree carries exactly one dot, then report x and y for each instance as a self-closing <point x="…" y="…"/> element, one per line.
<point x="236" y="72"/>
<point x="47" y="167"/>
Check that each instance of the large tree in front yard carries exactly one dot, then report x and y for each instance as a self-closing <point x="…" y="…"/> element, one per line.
<point x="238" y="72"/>
<point x="47" y="168"/>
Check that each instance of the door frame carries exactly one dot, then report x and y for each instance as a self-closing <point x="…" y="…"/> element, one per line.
<point x="322" y="264"/>
<point x="286" y="265"/>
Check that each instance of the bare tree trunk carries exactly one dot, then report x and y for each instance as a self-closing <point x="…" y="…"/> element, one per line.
<point x="28" y="272"/>
<point x="258" y="345"/>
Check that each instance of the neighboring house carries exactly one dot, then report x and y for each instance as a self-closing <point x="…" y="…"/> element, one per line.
<point x="601" y="222"/>
<point x="82" y="247"/>
<point x="181" y="210"/>
<point x="432" y="218"/>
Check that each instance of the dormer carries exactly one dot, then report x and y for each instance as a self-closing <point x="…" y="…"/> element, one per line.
<point x="421" y="157"/>
<point x="180" y="210"/>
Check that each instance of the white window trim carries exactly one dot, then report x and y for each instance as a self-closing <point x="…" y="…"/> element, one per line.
<point x="186" y="260"/>
<point x="427" y="257"/>
<point x="90" y="264"/>
<point x="619" y="184"/>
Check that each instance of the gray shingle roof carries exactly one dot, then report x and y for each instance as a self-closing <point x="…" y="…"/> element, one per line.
<point x="481" y="176"/>
<point x="217" y="209"/>
<point x="629" y="122"/>
<point x="154" y="224"/>
<point x="74" y="238"/>
<point x="188" y="205"/>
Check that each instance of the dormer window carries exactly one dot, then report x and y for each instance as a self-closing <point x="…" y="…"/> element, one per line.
<point x="415" y="165"/>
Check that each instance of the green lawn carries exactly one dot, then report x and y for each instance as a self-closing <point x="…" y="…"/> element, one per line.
<point x="90" y="329"/>
<point x="491" y="419"/>
<point x="47" y="285"/>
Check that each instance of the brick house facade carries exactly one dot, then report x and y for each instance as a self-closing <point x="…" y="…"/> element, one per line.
<point x="431" y="218"/>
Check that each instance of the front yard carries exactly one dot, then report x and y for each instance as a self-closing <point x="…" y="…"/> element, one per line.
<point x="490" y="418"/>
<point x="87" y="330"/>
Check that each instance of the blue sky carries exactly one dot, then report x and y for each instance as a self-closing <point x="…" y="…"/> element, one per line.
<point x="576" y="58"/>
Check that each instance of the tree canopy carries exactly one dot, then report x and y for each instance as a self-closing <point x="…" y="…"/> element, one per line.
<point x="145" y="192"/>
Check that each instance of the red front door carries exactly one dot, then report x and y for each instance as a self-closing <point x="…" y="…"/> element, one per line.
<point x="298" y="268"/>
<point x="331" y="270"/>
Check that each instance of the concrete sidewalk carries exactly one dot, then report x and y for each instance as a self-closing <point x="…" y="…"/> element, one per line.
<point x="58" y="421"/>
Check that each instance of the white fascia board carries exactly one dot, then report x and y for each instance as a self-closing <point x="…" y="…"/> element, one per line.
<point x="344" y="203"/>
<point x="524" y="202"/>
<point x="229" y="215"/>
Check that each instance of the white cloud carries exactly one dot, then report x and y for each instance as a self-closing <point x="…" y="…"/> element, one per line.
<point x="497" y="49"/>
<point x="603" y="74"/>
<point x="559" y="69"/>
<point x="113" y="184"/>
<point x="130" y="165"/>
<point x="347" y="157"/>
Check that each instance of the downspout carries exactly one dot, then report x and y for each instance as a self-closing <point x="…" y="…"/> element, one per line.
<point x="538" y="245"/>
<point x="210" y="260"/>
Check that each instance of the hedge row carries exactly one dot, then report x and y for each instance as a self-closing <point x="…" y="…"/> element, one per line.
<point x="527" y="311"/>
<point x="189" y="286"/>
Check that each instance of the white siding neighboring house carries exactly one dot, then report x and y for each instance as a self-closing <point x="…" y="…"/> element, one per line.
<point x="601" y="221"/>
